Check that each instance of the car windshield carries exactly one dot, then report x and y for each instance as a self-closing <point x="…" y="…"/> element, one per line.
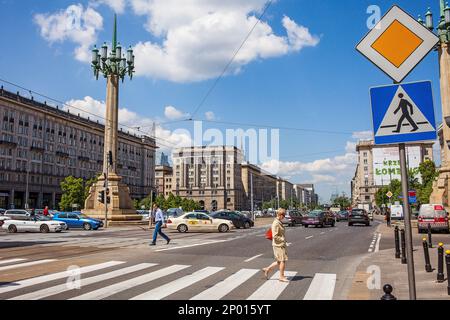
<point x="43" y="218"/>
<point x="357" y="211"/>
<point x="314" y="213"/>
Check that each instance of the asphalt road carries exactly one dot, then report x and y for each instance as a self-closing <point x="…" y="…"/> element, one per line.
<point x="321" y="264"/>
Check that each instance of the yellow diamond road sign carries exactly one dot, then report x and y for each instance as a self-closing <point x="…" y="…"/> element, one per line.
<point x="397" y="43"/>
<point x="389" y="194"/>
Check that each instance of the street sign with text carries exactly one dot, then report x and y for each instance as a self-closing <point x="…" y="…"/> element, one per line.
<point x="397" y="44"/>
<point x="403" y="113"/>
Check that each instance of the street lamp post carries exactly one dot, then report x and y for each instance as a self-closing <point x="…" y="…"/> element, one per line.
<point x="440" y="195"/>
<point x="114" y="66"/>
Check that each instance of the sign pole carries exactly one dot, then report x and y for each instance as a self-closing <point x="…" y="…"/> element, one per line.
<point x="407" y="216"/>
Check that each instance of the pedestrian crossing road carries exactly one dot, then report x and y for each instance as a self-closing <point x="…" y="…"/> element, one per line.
<point x="116" y="279"/>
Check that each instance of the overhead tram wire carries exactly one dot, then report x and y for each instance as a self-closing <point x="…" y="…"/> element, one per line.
<point x="90" y="113"/>
<point x="211" y="89"/>
<point x="274" y="127"/>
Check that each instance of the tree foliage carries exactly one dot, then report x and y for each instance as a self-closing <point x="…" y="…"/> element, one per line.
<point x="171" y="202"/>
<point x="74" y="192"/>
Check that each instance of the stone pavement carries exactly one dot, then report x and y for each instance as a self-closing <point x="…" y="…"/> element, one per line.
<point x="394" y="273"/>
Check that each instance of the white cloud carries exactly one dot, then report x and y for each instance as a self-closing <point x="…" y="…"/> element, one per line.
<point x="166" y="139"/>
<point x="173" y="113"/>
<point x="199" y="37"/>
<point x="350" y="147"/>
<point x="320" y="178"/>
<point x="117" y="5"/>
<point x="76" y="24"/>
<point x="210" y="116"/>
<point x="363" y="135"/>
<point x="299" y="36"/>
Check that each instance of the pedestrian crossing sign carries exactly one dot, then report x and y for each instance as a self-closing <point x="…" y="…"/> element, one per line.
<point x="403" y="113"/>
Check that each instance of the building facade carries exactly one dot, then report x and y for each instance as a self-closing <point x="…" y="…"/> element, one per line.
<point x="264" y="186"/>
<point x="163" y="180"/>
<point x="378" y="165"/>
<point x="210" y="175"/>
<point x="310" y="198"/>
<point x="40" y="145"/>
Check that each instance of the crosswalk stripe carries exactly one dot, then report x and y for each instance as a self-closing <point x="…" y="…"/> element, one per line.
<point x="226" y="286"/>
<point x="272" y="288"/>
<point x="26" y="264"/>
<point x="321" y="287"/>
<point x="54" y="276"/>
<point x="40" y="294"/>
<point x="128" y="284"/>
<point x="174" y="286"/>
<point x="11" y="261"/>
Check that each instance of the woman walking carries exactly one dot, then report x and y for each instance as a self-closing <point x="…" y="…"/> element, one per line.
<point x="279" y="247"/>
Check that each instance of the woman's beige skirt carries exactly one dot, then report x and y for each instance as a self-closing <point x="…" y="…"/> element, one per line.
<point x="280" y="254"/>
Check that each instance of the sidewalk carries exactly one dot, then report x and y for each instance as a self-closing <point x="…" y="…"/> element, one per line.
<point x="395" y="273"/>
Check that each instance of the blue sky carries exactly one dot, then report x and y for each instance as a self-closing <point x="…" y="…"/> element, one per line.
<point x="292" y="77"/>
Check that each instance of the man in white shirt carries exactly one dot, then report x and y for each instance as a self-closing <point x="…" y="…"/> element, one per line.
<point x="159" y="220"/>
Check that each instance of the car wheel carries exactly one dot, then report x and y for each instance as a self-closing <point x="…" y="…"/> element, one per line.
<point x="58" y="231"/>
<point x="87" y="226"/>
<point x="350" y="224"/>
<point x="12" y="229"/>
<point x="306" y="226"/>
<point x="223" y="228"/>
<point x="246" y="225"/>
<point x="44" y="228"/>
<point x="182" y="228"/>
<point x="333" y="224"/>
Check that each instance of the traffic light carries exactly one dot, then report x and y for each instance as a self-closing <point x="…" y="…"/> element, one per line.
<point x="110" y="158"/>
<point x="108" y="198"/>
<point x="101" y="196"/>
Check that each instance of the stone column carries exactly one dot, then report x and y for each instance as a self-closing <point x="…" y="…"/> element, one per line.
<point x="440" y="187"/>
<point x="112" y="123"/>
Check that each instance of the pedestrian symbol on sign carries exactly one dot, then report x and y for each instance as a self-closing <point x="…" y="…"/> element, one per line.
<point x="404" y="104"/>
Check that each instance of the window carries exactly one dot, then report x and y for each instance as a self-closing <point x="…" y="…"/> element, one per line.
<point x="366" y="169"/>
<point x="365" y="154"/>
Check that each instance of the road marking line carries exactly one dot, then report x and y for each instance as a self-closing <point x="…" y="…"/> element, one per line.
<point x="324" y="232"/>
<point x="54" y="276"/>
<point x="224" y="287"/>
<point x="11" y="261"/>
<point x="253" y="258"/>
<point x="40" y="294"/>
<point x="193" y="245"/>
<point x="377" y="246"/>
<point x="177" y="285"/>
<point x="272" y="288"/>
<point x="128" y="284"/>
<point x="321" y="287"/>
<point x="26" y="264"/>
<point x="307" y="238"/>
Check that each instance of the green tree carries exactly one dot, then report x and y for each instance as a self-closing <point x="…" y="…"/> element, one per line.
<point x="429" y="173"/>
<point x="342" y="201"/>
<point x="74" y="192"/>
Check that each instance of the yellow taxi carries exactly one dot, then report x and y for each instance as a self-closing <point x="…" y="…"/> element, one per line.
<point x="196" y="221"/>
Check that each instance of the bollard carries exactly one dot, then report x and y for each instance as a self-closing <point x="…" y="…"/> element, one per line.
<point x="397" y="243"/>
<point x="447" y="262"/>
<point x="440" y="275"/>
<point x="388" y="293"/>
<point x="428" y="267"/>
<point x="430" y="243"/>
<point x="403" y="241"/>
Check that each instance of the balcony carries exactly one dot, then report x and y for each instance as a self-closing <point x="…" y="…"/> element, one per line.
<point x="37" y="149"/>
<point x="8" y="143"/>
<point x="62" y="154"/>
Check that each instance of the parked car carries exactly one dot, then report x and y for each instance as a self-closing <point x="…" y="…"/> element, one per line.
<point x="2" y="211"/>
<point x="37" y="223"/>
<point x="238" y="220"/>
<point x="174" y="213"/>
<point x="342" y="215"/>
<point x="15" y="214"/>
<point x="78" y="220"/>
<point x="358" y="216"/>
<point x="433" y="215"/>
<point x="318" y="218"/>
<point x="292" y="218"/>
<point x="195" y="221"/>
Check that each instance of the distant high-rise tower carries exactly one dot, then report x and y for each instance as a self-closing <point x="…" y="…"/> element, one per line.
<point x="164" y="160"/>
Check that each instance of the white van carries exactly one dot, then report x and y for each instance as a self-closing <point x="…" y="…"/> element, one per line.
<point x="433" y="215"/>
<point x="397" y="212"/>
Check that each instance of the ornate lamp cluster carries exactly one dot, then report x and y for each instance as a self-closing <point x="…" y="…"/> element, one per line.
<point x="114" y="64"/>
<point x="443" y="28"/>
